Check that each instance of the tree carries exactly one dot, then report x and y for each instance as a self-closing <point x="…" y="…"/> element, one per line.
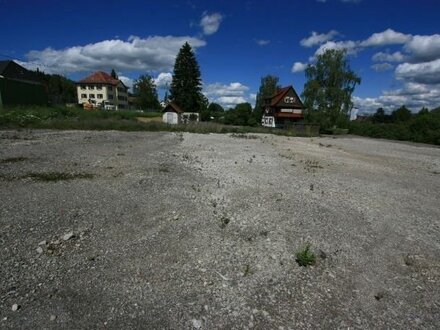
<point x="379" y="116"/>
<point x="401" y="114"/>
<point x="327" y="92"/>
<point x="113" y="74"/>
<point x="186" y="86"/>
<point x="268" y="87"/>
<point x="146" y="94"/>
<point x="215" y="107"/>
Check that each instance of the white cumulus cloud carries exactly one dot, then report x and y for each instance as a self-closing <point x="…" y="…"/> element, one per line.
<point x="299" y="67"/>
<point x="262" y="42"/>
<point x="318" y="38"/>
<point x="426" y="73"/>
<point x="387" y="37"/>
<point x="387" y="57"/>
<point x="379" y="67"/>
<point x="227" y="95"/>
<point x="424" y="48"/>
<point x="163" y="80"/>
<point x="154" y="53"/>
<point x="210" y="23"/>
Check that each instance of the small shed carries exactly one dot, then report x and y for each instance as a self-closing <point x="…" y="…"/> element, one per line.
<point x="172" y="114"/>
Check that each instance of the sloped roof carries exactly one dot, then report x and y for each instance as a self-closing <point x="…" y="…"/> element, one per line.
<point x="100" y="77"/>
<point x="174" y="107"/>
<point x="12" y="70"/>
<point x="278" y="96"/>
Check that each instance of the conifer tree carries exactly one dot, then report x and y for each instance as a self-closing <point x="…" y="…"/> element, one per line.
<point x="186" y="86"/>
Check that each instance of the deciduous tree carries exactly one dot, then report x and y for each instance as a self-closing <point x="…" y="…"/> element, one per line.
<point x="327" y="92"/>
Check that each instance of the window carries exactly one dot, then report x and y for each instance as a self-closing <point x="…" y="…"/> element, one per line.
<point x="99" y="96"/>
<point x="91" y="96"/>
<point x="110" y="88"/>
<point x="99" y="87"/>
<point x="91" y="87"/>
<point x="83" y="96"/>
<point x="110" y="97"/>
<point x="83" y="87"/>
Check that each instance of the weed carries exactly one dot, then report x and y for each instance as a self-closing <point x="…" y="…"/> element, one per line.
<point x="13" y="160"/>
<point x="247" y="271"/>
<point x="305" y="257"/>
<point x="243" y="136"/>
<point x="164" y="169"/>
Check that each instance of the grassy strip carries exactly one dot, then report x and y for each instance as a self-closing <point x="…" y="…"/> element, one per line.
<point x="79" y="119"/>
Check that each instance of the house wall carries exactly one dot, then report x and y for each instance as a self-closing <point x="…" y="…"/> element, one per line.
<point x="171" y="118"/>
<point x="15" y="92"/>
<point x="85" y="91"/>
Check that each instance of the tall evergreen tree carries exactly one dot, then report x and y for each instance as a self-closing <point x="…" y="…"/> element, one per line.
<point x="113" y="74"/>
<point x="186" y="86"/>
<point x="268" y="87"/>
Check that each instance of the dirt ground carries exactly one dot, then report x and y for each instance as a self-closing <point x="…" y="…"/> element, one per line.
<point x="184" y="231"/>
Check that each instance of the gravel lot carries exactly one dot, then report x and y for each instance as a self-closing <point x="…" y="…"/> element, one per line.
<point x="184" y="231"/>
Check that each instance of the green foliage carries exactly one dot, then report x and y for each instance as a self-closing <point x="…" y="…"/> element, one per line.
<point x="146" y="93"/>
<point x="241" y="115"/>
<point x="305" y="257"/>
<point x="423" y="127"/>
<point x="327" y="92"/>
<point x="268" y="87"/>
<point x="186" y="87"/>
<point x="60" y="89"/>
<point x="402" y="114"/>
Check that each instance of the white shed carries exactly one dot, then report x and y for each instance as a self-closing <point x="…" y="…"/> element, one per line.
<point x="172" y="114"/>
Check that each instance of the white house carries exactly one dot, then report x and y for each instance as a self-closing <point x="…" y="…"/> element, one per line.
<point x="100" y="87"/>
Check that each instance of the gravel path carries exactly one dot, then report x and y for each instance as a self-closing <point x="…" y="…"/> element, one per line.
<point x="184" y="231"/>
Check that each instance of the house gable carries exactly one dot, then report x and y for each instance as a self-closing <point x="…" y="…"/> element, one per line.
<point x="287" y="98"/>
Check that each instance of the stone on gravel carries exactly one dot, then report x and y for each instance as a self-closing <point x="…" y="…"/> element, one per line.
<point x="53" y="317"/>
<point x="68" y="236"/>
<point x="42" y="243"/>
<point x="39" y="250"/>
<point x="15" y="307"/>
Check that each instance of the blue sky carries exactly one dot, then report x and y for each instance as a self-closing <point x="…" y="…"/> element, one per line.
<point x="393" y="45"/>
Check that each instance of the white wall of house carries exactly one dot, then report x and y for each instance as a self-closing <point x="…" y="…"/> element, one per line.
<point x="170" y="118"/>
<point x="117" y="95"/>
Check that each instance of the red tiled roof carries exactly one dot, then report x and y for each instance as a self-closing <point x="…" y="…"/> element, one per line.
<point x="278" y="96"/>
<point x="100" y="77"/>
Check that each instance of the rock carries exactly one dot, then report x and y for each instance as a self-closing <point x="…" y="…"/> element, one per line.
<point x="197" y="324"/>
<point x="39" y="250"/>
<point x="42" y="243"/>
<point x="53" y="317"/>
<point x="68" y="236"/>
<point x="176" y="217"/>
<point x="15" y="307"/>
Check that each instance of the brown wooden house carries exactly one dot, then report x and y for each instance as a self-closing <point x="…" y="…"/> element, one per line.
<point x="283" y="108"/>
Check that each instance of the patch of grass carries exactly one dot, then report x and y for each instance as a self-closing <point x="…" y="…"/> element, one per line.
<point x="305" y="257"/>
<point x="48" y="176"/>
<point x="13" y="160"/>
<point x="164" y="169"/>
<point x="243" y="136"/>
<point x="58" y="176"/>
<point x="247" y="271"/>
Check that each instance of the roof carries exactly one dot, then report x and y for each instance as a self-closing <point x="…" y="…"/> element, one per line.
<point x="12" y="70"/>
<point x="278" y="96"/>
<point x="173" y="107"/>
<point x="100" y="77"/>
<point x="281" y="93"/>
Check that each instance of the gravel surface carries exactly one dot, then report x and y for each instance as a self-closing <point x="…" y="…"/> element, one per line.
<point x="184" y="231"/>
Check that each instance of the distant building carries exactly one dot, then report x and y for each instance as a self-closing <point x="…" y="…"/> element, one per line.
<point x="172" y="114"/>
<point x="283" y="108"/>
<point x="19" y="86"/>
<point x="100" y="87"/>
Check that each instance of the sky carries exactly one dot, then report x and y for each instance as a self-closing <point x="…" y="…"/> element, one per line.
<point x="393" y="45"/>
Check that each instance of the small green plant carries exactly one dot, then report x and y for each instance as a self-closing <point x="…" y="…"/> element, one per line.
<point x="305" y="257"/>
<point x="247" y="271"/>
